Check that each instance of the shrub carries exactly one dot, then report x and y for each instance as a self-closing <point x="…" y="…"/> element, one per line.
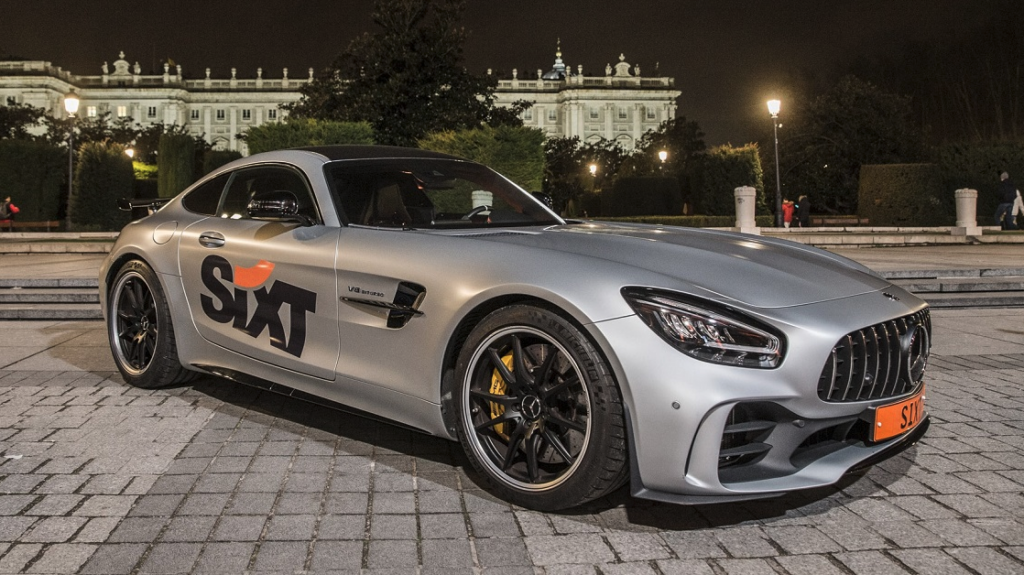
<point x="693" y="221"/>
<point x="176" y="164"/>
<point x="103" y="175"/>
<point x="718" y="173"/>
<point x="33" y="174"/>
<point x="642" y="196"/>
<point x="904" y="195"/>
<point x="296" y="132"/>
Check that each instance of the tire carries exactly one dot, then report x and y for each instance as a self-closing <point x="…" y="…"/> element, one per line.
<point x="539" y="412"/>
<point x="140" y="329"/>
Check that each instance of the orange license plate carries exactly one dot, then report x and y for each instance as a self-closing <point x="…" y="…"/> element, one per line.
<point x="898" y="418"/>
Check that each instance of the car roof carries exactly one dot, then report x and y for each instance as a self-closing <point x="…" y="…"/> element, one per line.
<point x="374" y="152"/>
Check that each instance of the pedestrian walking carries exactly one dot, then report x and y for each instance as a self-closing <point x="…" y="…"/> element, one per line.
<point x="1007" y="196"/>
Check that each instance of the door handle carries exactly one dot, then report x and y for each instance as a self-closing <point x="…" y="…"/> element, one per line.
<point x="211" y="239"/>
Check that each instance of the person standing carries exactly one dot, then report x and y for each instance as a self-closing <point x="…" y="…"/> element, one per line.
<point x="1007" y="195"/>
<point x="787" y="212"/>
<point x="803" y="211"/>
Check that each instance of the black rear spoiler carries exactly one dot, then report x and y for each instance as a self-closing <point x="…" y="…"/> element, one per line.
<point x="141" y="207"/>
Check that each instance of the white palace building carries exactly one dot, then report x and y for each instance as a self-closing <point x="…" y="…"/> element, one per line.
<point x="619" y="105"/>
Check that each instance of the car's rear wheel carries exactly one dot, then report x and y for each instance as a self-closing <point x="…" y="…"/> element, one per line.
<point x="140" y="330"/>
<point x="539" y="412"/>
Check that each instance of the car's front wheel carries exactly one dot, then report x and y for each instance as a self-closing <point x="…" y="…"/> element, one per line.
<point x="140" y="330"/>
<point x="539" y="411"/>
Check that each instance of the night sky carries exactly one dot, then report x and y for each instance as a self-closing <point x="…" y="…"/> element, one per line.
<point x="728" y="56"/>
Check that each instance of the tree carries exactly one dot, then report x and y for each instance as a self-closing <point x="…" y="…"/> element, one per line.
<point x="408" y="79"/>
<point x="16" y="120"/>
<point x="679" y="138"/>
<point x="564" y="172"/>
<point x="826" y="140"/>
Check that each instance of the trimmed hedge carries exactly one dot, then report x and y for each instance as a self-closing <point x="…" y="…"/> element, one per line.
<point x="176" y="164"/>
<point x="33" y="174"/>
<point x="904" y="195"/>
<point x="104" y="174"/>
<point x="515" y="152"/>
<point x="296" y="132"/>
<point x="693" y="221"/>
<point x="718" y="173"/>
<point x="643" y="196"/>
<point x="977" y="166"/>
<point x="214" y="159"/>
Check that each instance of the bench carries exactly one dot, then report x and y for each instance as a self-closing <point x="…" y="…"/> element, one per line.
<point x="11" y="225"/>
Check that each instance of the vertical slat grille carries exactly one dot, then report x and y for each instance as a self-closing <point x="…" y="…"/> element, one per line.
<point x="870" y="363"/>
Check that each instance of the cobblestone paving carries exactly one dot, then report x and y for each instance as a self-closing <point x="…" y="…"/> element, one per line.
<point x="98" y="477"/>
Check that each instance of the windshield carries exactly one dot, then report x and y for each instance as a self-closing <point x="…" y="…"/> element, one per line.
<point x="430" y="194"/>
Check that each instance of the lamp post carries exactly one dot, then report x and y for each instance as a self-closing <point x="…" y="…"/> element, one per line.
<point x="662" y="155"/>
<point x="71" y="102"/>
<point x="773" y="108"/>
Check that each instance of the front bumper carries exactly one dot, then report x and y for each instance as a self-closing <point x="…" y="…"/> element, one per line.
<point x="779" y="436"/>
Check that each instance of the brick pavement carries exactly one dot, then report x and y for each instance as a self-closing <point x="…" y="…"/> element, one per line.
<point x="98" y="477"/>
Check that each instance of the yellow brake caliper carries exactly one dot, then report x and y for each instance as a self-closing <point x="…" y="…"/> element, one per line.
<point x="498" y="387"/>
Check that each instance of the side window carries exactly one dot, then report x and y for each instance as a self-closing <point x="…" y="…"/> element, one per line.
<point x="205" y="199"/>
<point x="245" y="184"/>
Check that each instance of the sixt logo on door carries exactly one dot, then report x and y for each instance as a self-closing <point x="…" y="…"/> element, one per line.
<point x="227" y="305"/>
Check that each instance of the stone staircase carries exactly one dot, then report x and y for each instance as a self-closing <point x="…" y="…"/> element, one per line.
<point x="78" y="298"/>
<point x="964" y="288"/>
<point x="50" y="299"/>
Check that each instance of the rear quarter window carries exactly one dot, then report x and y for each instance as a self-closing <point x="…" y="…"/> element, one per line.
<point x="205" y="199"/>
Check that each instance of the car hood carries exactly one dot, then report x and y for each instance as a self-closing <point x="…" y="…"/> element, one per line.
<point x="751" y="270"/>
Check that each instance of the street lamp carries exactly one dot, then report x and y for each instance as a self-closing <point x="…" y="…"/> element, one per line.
<point x="71" y="103"/>
<point x="130" y="152"/>
<point x="773" y="108"/>
<point x="662" y="155"/>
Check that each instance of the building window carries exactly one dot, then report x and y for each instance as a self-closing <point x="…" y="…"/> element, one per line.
<point x="194" y="114"/>
<point x="11" y="100"/>
<point x="528" y="114"/>
<point x="151" y="112"/>
<point x="623" y="114"/>
<point x="594" y="114"/>
<point x="272" y="114"/>
<point x="552" y="114"/>
<point x="651" y="113"/>
<point x="246" y="115"/>
<point x="220" y="115"/>
<point x="90" y="111"/>
<point x="122" y="111"/>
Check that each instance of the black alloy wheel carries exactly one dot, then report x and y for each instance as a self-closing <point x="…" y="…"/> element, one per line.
<point x="541" y="415"/>
<point x="140" y="330"/>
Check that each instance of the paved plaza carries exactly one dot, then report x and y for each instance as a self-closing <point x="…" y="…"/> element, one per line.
<point x="99" y="477"/>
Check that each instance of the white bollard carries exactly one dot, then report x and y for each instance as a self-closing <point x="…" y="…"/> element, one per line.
<point x="746" y="199"/>
<point x="966" y="213"/>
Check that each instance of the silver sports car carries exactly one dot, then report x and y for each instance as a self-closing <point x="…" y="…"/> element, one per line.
<point x="566" y="357"/>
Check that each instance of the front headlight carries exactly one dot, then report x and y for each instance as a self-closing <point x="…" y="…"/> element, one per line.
<point x="712" y="336"/>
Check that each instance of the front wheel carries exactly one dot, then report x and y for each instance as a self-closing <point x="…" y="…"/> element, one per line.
<point x="539" y="412"/>
<point x="140" y="331"/>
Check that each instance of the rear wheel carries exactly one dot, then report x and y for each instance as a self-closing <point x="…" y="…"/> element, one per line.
<point x="140" y="331"/>
<point x="539" y="412"/>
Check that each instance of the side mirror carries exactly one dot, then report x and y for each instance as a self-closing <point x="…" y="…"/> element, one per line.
<point x="278" y="205"/>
